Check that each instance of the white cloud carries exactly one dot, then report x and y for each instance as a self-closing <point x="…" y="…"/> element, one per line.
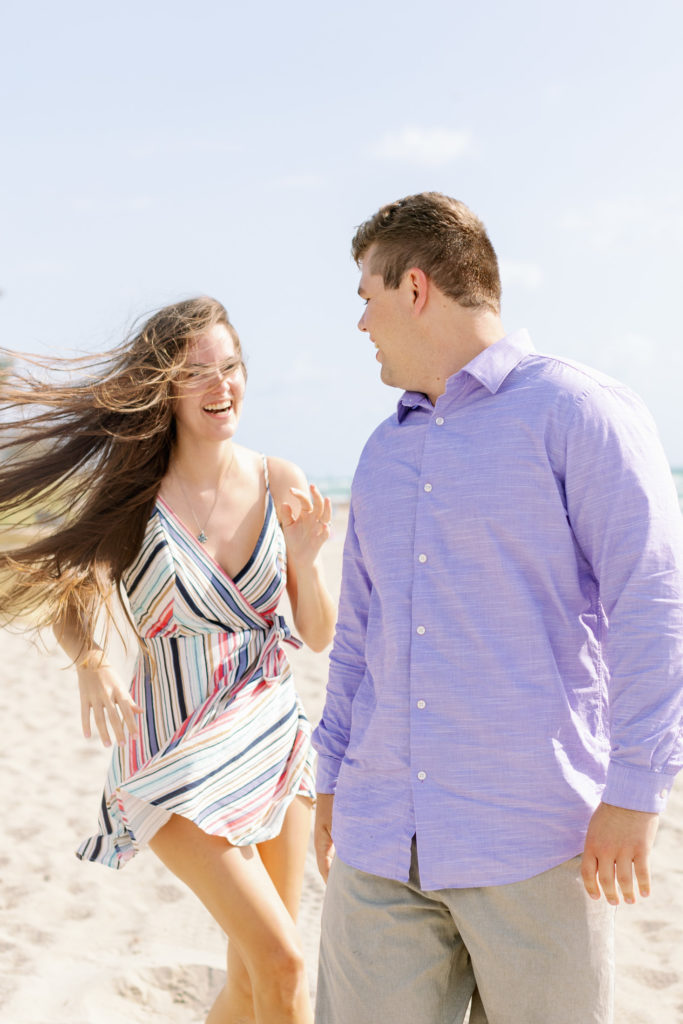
<point x="432" y="147"/>
<point x="521" y="274"/>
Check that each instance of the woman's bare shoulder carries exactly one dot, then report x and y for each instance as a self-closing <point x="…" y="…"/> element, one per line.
<point x="283" y="476"/>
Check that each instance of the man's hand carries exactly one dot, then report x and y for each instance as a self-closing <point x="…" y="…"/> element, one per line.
<point x="324" y="847"/>
<point x="618" y="842"/>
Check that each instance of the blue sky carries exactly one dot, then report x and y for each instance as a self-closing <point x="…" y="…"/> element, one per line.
<point x="157" y="150"/>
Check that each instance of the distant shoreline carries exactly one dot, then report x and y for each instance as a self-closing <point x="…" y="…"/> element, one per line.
<point x="338" y="489"/>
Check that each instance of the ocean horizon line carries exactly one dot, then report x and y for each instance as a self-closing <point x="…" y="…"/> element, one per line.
<point x="338" y="488"/>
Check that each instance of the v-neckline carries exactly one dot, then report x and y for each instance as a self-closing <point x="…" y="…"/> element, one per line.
<point x="200" y="547"/>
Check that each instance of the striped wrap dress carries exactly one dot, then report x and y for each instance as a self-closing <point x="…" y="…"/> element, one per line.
<point x="223" y="739"/>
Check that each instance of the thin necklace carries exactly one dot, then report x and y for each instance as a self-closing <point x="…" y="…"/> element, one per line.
<point x="201" y="536"/>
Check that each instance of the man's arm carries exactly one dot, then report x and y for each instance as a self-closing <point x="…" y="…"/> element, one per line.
<point x="347" y="668"/>
<point x="623" y="510"/>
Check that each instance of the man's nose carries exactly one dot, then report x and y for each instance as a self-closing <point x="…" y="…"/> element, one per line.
<point x="361" y="323"/>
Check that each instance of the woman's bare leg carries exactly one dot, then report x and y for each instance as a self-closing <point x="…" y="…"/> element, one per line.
<point x="283" y="858"/>
<point x="235" y="887"/>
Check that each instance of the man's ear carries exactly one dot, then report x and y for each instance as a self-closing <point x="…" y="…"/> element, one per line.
<point x="418" y="285"/>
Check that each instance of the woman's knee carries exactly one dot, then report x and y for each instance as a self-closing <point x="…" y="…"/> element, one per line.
<point x="280" y="975"/>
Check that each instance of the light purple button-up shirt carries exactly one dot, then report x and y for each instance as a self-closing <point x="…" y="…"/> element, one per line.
<point x="510" y="639"/>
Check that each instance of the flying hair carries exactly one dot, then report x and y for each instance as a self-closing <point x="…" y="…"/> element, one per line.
<point x="84" y="446"/>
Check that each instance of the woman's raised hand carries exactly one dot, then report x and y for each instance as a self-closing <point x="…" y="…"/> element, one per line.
<point x="110" y="703"/>
<point x="306" y="530"/>
<point x="306" y="526"/>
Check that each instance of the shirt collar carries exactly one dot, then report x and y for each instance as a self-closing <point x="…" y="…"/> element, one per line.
<point x="490" y="367"/>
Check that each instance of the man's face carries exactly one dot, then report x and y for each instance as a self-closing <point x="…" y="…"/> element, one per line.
<point x="387" y="319"/>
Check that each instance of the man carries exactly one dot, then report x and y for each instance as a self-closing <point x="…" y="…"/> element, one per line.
<point x="502" y="723"/>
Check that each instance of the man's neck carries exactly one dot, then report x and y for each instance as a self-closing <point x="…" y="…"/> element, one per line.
<point x="457" y="335"/>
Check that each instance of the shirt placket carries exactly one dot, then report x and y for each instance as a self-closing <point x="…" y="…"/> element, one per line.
<point x="423" y="617"/>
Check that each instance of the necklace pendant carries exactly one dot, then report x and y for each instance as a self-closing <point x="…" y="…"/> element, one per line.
<point x="201" y="537"/>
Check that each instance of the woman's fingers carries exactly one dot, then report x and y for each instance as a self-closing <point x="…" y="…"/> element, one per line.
<point x="309" y="527"/>
<point x="318" y="503"/>
<point x="287" y="514"/>
<point x="302" y="498"/>
<point x="317" y="506"/>
<point x="101" y="723"/>
<point x="322" y="506"/>
<point x="110" y="706"/>
<point x="130" y="710"/>
<point x="85" y="715"/>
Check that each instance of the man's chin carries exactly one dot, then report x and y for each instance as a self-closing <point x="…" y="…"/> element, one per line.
<point x="391" y="382"/>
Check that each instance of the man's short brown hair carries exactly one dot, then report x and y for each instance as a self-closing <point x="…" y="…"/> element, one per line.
<point x="440" y="236"/>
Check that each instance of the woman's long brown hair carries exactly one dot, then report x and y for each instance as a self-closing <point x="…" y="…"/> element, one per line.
<point x="87" y="458"/>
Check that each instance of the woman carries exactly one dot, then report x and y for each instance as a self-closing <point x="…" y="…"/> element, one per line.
<point x="150" y="494"/>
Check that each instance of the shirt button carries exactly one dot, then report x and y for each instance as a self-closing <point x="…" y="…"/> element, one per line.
<point x="663" y="793"/>
<point x="422" y="558"/>
<point x="421" y="630"/>
<point x="422" y="776"/>
<point x="421" y="704"/>
<point x="428" y="487"/>
<point x="439" y="421"/>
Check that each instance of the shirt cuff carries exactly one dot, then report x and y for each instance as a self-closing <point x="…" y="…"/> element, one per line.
<point x="326" y="774"/>
<point x="636" y="789"/>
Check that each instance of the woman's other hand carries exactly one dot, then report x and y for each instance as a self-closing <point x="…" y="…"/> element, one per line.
<point x="305" y="519"/>
<point x="111" y="705"/>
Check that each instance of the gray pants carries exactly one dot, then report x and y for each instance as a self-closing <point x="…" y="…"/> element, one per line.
<point x="533" y="952"/>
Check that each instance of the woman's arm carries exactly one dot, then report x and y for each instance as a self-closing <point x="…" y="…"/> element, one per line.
<point x="305" y="518"/>
<point x="101" y="690"/>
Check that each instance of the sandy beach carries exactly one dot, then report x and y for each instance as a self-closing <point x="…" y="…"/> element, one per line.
<point x="80" y="944"/>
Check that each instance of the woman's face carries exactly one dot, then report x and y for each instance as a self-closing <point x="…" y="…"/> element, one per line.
<point x="210" y="391"/>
